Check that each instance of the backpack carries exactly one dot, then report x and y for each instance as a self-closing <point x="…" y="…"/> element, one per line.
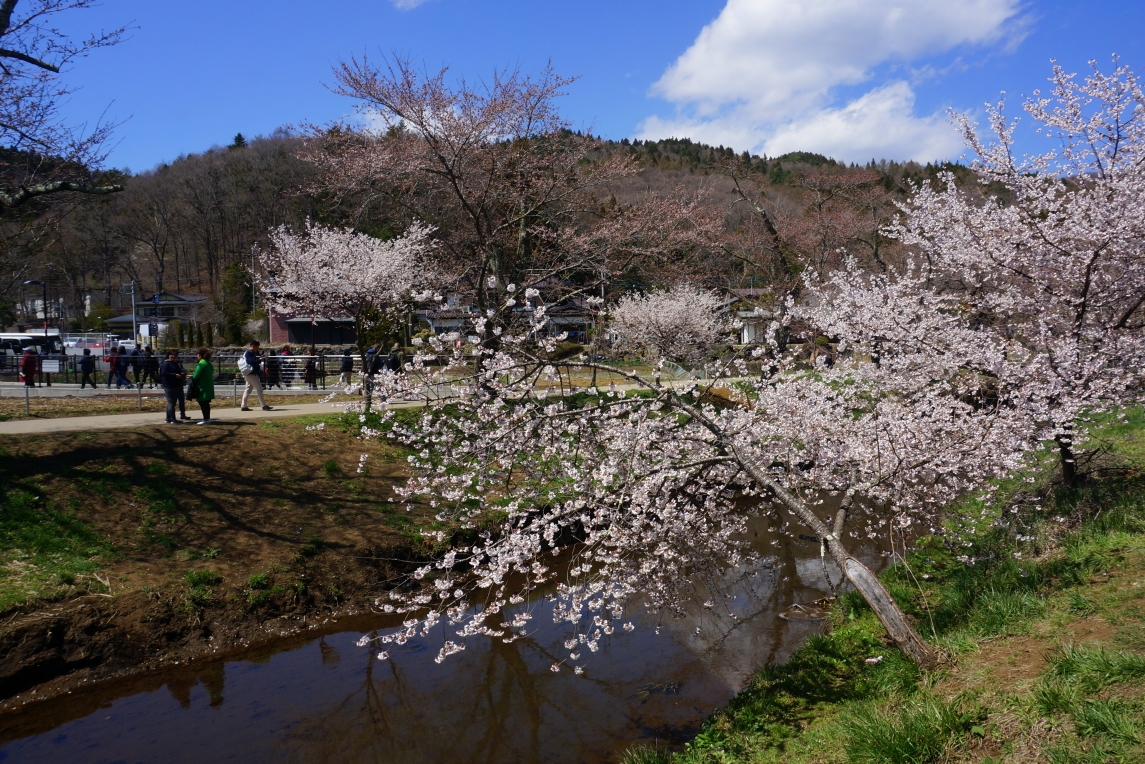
<point x="244" y="365"/>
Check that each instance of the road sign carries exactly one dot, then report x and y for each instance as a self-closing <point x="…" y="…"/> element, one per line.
<point x="155" y="299"/>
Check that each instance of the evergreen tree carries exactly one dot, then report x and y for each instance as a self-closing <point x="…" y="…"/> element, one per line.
<point x="238" y="143"/>
<point x="235" y="298"/>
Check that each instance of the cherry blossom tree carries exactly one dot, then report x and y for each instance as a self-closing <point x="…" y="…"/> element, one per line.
<point x="626" y="495"/>
<point x="337" y="272"/>
<point x="515" y="195"/>
<point x="53" y="156"/>
<point x="1054" y="257"/>
<point x="681" y="323"/>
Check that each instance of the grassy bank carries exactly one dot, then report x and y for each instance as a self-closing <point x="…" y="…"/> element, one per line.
<point x="1044" y="634"/>
<point x="133" y="548"/>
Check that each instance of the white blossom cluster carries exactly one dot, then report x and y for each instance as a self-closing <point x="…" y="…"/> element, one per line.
<point x="323" y="272"/>
<point x="681" y="323"/>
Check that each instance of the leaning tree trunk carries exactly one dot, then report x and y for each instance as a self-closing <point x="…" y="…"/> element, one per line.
<point x="891" y="616"/>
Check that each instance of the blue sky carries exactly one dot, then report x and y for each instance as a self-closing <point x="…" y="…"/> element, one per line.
<point x="855" y="79"/>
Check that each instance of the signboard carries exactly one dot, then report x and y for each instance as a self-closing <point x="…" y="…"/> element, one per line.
<point x="153" y="329"/>
<point x="155" y="299"/>
<point x="50" y="366"/>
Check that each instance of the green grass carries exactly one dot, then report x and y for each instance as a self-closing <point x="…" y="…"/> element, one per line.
<point x="1095" y="667"/>
<point x="199" y="583"/>
<point x="45" y="552"/>
<point x="916" y="732"/>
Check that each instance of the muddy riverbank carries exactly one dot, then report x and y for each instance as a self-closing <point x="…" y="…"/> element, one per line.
<point x="129" y="551"/>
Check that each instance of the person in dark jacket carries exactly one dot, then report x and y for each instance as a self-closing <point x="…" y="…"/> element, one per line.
<point x="273" y="370"/>
<point x="87" y="369"/>
<point x="28" y="366"/>
<point x="379" y="361"/>
<point x="310" y="372"/>
<point x="136" y="358"/>
<point x="121" y="369"/>
<point x="171" y="376"/>
<point x="150" y="368"/>
<point x="346" y="371"/>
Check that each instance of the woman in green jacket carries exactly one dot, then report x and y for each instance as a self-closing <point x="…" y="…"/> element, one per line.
<point x="203" y="378"/>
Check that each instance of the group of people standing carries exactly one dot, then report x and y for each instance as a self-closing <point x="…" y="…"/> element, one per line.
<point x="142" y="362"/>
<point x="284" y="368"/>
<point x="173" y="377"/>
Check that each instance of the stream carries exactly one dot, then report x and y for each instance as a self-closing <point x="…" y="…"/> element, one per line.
<point x="321" y="698"/>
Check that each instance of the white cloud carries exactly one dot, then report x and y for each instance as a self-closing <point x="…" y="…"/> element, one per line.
<point x="879" y="125"/>
<point x="407" y="5"/>
<point x="763" y="73"/>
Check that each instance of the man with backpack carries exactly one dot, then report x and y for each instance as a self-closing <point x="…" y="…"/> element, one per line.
<point x="250" y="366"/>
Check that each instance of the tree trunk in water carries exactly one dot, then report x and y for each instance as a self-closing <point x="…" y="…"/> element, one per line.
<point x="876" y="595"/>
<point x="1069" y="461"/>
<point x="889" y="614"/>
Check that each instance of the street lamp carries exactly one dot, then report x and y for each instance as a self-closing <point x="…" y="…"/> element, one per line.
<point x="44" y="286"/>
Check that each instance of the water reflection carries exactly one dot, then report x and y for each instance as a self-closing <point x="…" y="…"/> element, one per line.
<point x="328" y="700"/>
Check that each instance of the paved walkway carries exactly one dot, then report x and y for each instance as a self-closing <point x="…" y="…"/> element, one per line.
<point x="147" y="418"/>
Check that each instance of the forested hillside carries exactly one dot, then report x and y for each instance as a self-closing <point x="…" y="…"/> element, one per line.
<point x="183" y="225"/>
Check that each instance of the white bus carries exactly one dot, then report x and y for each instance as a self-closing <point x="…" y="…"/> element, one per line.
<point x="45" y="344"/>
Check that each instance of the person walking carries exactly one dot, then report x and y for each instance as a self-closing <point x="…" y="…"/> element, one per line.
<point x="377" y="361"/>
<point x="394" y="359"/>
<point x="136" y="357"/>
<point x="121" y="370"/>
<point x="368" y="365"/>
<point x="87" y="369"/>
<point x="287" y="365"/>
<point x="171" y="376"/>
<point x="250" y="366"/>
<point x="150" y="368"/>
<point x="310" y="373"/>
<point x="28" y="366"/>
<point x="112" y="360"/>
<point x="346" y="371"/>
<point x="203" y="384"/>
<point x="273" y="372"/>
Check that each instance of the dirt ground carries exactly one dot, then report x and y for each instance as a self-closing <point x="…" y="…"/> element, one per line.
<point x="219" y="537"/>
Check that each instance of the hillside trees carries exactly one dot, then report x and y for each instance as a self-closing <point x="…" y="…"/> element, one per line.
<point x="516" y="198"/>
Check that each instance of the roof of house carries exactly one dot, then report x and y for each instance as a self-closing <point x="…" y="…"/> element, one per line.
<point x="166" y="296"/>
